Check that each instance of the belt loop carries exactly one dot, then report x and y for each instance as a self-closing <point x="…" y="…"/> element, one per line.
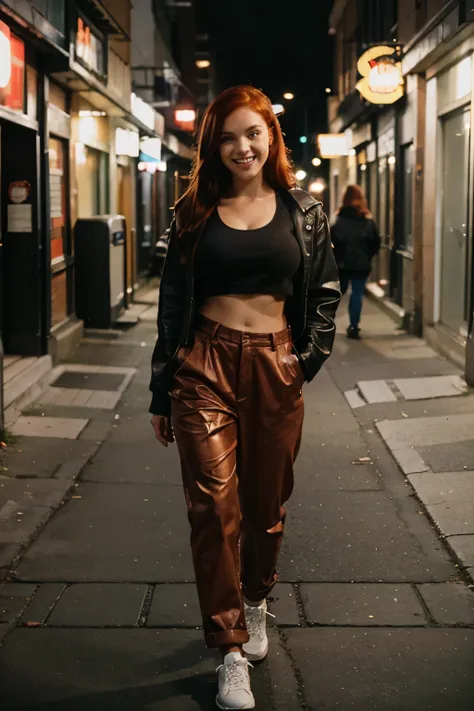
<point x="273" y="340"/>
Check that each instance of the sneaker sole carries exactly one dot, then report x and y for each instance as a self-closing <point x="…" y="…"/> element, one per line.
<point x="257" y="657"/>
<point x="232" y="708"/>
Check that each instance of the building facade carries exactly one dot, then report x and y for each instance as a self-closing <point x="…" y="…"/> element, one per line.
<point x="414" y="158"/>
<point x="82" y="135"/>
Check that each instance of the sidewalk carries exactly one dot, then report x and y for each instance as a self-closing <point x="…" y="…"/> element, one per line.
<point x="373" y="608"/>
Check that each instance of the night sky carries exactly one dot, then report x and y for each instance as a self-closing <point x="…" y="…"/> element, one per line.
<point x="277" y="51"/>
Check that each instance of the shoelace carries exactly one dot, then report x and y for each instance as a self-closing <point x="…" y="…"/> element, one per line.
<point x="236" y="675"/>
<point x="254" y="617"/>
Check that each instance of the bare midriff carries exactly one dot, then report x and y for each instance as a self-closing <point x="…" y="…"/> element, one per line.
<point x="252" y="313"/>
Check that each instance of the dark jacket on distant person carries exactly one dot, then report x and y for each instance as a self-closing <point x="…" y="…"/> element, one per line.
<point x="356" y="242"/>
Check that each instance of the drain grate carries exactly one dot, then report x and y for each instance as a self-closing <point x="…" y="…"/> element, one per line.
<point x="89" y="381"/>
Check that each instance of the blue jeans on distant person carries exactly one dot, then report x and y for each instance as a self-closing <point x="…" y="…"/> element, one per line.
<point x="357" y="294"/>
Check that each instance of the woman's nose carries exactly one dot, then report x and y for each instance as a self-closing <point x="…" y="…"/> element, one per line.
<point x="243" y="145"/>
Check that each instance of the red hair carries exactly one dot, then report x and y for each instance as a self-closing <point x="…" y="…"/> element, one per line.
<point x="355" y="198"/>
<point x="210" y="179"/>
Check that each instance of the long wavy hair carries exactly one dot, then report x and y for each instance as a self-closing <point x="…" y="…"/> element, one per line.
<point x="210" y="180"/>
<point x="354" y="197"/>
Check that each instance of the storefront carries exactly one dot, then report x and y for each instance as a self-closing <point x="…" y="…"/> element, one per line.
<point x="448" y="199"/>
<point x="22" y="320"/>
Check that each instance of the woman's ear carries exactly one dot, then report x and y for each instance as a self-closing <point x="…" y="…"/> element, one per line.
<point x="270" y="135"/>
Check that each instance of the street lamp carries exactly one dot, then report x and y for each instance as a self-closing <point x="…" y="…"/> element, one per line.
<point x="288" y="95"/>
<point x="316" y="162"/>
<point x="202" y="63"/>
<point x="300" y="174"/>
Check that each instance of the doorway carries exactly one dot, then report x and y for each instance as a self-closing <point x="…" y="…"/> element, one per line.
<point x="21" y="271"/>
<point x="454" y="231"/>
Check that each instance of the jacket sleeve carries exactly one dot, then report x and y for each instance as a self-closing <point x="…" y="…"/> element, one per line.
<point x="375" y="240"/>
<point x="324" y="295"/>
<point x="170" y="316"/>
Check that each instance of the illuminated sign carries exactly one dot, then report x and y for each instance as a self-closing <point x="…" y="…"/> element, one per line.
<point x="127" y="143"/>
<point x="143" y="111"/>
<point x="332" y="145"/>
<point x="151" y="148"/>
<point x="382" y="80"/>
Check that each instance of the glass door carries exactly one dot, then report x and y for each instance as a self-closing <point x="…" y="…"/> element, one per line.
<point x="454" y="231"/>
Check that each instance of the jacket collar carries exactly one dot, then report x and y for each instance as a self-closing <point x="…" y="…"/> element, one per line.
<point x="303" y="200"/>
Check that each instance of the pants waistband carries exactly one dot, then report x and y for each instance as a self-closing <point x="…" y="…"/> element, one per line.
<point x="217" y="330"/>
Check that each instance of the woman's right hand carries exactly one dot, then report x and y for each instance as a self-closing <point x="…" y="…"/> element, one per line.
<point x="163" y="429"/>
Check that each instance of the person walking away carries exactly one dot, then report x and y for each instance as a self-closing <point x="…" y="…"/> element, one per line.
<point x="246" y="313"/>
<point x="356" y="242"/>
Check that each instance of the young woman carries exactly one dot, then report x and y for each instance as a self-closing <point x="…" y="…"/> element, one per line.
<point x="246" y="315"/>
<point x="356" y="242"/>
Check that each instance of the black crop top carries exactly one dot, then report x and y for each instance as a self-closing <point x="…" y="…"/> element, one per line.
<point x="260" y="261"/>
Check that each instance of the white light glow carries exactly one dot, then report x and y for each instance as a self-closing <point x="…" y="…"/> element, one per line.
<point x="288" y="95"/>
<point x="202" y="63"/>
<point x="392" y="160"/>
<point x="332" y="145"/>
<point x="278" y="109"/>
<point x="300" y="174"/>
<point x="142" y="111"/>
<point x="185" y="115"/>
<point x="363" y="167"/>
<point x="316" y="162"/>
<point x="317" y="187"/>
<point x="5" y="61"/>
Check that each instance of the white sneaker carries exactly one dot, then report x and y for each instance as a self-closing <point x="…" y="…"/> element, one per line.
<point x="256" y="620"/>
<point x="234" y="690"/>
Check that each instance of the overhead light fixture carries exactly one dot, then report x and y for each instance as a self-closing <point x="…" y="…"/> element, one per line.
<point x="300" y="174"/>
<point x="185" y="115"/>
<point x="84" y="113"/>
<point x="278" y="109"/>
<point x="328" y="90"/>
<point x="202" y="63"/>
<point x="288" y="95"/>
<point x="316" y="162"/>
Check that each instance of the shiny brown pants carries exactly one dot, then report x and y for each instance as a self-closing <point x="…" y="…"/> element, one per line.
<point x="237" y="414"/>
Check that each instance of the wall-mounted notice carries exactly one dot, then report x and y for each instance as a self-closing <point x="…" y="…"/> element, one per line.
<point x="20" y="218"/>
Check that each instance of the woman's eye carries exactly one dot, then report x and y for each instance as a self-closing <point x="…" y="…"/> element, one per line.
<point x="254" y="134"/>
<point x="225" y="139"/>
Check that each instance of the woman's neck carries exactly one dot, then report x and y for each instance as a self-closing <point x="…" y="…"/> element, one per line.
<point x="251" y="190"/>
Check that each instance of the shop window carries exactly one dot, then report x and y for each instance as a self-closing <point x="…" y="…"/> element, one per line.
<point x="373" y="195"/>
<point x="90" y="47"/>
<point x="12" y="59"/>
<point x="383" y="202"/>
<point x="57" y="192"/>
<point x="92" y="181"/>
<point x="54" y="11"/>
<point x="407" y="159"/>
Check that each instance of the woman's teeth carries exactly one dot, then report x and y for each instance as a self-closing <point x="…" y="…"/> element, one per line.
<point x="245" y="160"/>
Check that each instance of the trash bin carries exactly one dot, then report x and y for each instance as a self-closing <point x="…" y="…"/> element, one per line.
<point x="100" y="279"/>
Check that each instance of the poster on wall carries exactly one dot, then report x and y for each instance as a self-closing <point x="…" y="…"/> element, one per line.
<point x="20" y="218"/>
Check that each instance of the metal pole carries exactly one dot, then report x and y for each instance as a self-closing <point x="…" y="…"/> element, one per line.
<point x="2" y="419"/>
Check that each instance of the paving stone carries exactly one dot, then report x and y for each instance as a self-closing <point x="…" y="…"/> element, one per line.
<point x="14" y="597"/>
<point x="463" y="546"/>
<point x="409" y="460"/>
<point x="78" y="669"/>
<point x="360" y="604"/>
<point x="22" y="529"/>
<point x="359" y="536"/>
<point x="41" y="456"/>
<point x="449" y="603"/>
<point x="449" y="498"/>
<point x="43" y="602"/>
<point x="376" y="391"/>
<point x="121" y="462"/>
<point x="96" y="431"/>
<point x="384" y="669"/>
<point x="93" y="605"/>
<point x="114" y="533"/>
<point x="354" y="399"/>
<point x="73" y="467"/>
<point x="426" y="388"/>
<point x="89" y="381"/>
<point x="326" y="464"/>
<point x="449" y="457"/>
<point x="424" y="431"/>
<point x="32" y="492"/>
<point x="62" y="427"/>
<point x="283" y="604"/>
<point x="8" y="552"/>
<point x="174" y="606"/>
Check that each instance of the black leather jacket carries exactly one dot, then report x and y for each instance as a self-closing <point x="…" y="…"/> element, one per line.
<point x="310" y="311"/>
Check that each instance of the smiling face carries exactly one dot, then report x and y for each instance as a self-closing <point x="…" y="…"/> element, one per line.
<point x="244" y="144"/>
